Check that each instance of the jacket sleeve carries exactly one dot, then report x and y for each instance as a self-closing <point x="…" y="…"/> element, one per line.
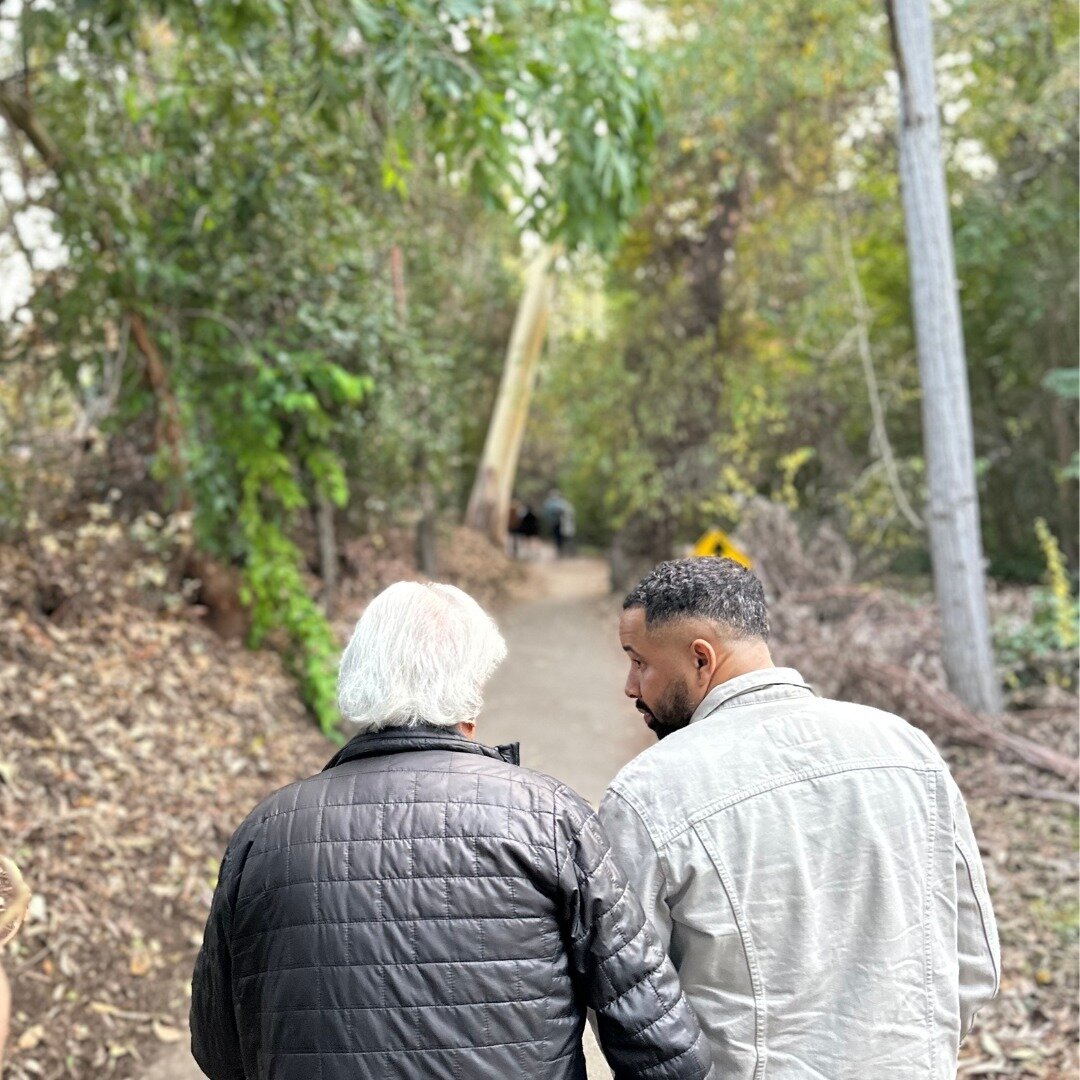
<point x="977" y="948"/>
<point x="638" y="859"/>
<point x="215" y="1039"/>
<point x="644" y="1024"/>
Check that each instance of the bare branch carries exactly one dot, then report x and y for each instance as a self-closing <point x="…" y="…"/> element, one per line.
<point x="866" y="356"/>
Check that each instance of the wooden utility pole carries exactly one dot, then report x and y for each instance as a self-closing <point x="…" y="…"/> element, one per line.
<point x="948" y="437"/>
<point x="489" y="503"/>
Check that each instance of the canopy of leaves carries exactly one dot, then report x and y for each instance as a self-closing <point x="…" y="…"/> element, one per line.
<point x="227" y="180"/>
<point x="775" y="206"/>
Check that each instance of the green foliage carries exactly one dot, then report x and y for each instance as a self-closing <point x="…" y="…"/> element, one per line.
<point x="1044" y="650"/>
<point x="683" y="407"/>
<point x="790" y="466"/>
<point x="659" y="436"/>
<point x="875" y="525"/>
<point x="493" y="82"/>
<point x="235" y="175"/>
<point x="1065" y="384"/>
<point x="278" y="597"/>
<point x="1061" y="598"/>
<point x="779" y="138"/>
<point x="1015" y="207"/>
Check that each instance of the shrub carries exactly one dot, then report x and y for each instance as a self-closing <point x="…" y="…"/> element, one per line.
<point x="1044" y="650"/>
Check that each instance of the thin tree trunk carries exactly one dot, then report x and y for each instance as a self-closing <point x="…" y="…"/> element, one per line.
<point x="955" y="540"/>
<point x="168" y="431"/>
<point x="863" y="320"/>
<point x="489" y="503"/>
<point x="328" y="556"/>
<point x="427" y="523"/>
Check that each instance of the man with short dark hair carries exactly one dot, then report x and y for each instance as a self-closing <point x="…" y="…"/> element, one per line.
<point x="809" y="864"/>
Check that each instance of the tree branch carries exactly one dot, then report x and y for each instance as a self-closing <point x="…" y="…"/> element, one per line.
<point x="866" y="356"/>
<point x="16" y="110"/>
<point x="168" y="431"/>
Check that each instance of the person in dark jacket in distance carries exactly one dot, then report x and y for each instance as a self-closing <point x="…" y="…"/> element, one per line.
<point x="424" y="907"/>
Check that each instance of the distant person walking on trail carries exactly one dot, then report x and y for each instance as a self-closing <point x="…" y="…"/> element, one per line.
<point x="424" y="908"/>
<point x="529" y="528"/>
<point x="562" y="522"/>
<point x="808" y="863"/>
<point x="524" y="529"/>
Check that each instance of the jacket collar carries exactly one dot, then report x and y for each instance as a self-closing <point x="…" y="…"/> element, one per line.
<point x="412" y="740"/>
<point x="747" y="690"/>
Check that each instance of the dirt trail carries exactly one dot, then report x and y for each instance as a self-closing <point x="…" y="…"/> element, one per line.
<point x="559" y="693"/>
<point x="560" y="690"/>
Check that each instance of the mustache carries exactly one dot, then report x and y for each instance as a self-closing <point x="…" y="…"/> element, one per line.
<point x="642" y="707"/>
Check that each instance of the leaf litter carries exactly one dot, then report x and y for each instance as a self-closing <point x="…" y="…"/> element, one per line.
<point x="135" y="740"/>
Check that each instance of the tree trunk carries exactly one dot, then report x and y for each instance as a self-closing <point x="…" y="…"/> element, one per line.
<point x="489" y="503"/>
<point x="168" y="431"/>
<point x="426" y="527"/>
<point x="955" y="541"/>
<point x="426" y="537"/>
<point x="328" y="556"/>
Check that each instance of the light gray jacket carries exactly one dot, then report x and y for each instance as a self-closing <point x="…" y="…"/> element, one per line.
<point x="810" y="866"/>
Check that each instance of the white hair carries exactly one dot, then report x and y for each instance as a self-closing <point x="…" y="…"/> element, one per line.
<point x="420" y="654"/>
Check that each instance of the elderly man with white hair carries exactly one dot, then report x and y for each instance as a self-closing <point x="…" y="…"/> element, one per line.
<point x="424" y="907"/>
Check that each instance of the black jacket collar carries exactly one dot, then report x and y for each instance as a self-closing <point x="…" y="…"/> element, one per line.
<point x="412" y="740"/>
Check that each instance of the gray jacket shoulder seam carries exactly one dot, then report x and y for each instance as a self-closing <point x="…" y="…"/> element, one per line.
<point x="661" y="839"/>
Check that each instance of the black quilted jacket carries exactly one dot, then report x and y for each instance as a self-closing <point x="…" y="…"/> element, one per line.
<point x="424" y="908"/>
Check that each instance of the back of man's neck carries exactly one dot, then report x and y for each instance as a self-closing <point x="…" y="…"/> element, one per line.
<point x="743" y="661"/>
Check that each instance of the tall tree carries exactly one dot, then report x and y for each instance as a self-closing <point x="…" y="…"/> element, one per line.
<point x="955" y="538"/>
<point x="489" y="503"/>
<point x="608" y="137"/>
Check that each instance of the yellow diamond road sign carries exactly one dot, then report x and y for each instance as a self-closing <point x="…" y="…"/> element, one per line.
<point x="717" y="542"/>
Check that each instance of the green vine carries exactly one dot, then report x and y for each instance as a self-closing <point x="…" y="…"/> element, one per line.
<point x="275" y="427"/>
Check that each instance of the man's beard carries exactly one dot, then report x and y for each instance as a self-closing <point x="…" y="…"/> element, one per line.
<point x="671" y="713"/>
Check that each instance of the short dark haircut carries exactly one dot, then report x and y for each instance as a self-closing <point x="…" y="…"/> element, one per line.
<point x="720" y="590"/>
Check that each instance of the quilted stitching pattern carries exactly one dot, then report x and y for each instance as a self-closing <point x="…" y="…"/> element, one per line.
<point x="430" y="912"/>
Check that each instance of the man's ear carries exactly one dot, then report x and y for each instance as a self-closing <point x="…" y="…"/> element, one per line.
<point x="705" y="661"/>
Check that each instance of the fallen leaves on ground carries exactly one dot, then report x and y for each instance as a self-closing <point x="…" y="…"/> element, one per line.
<point x="133" y="744"/>
<point x="134" y="741"/>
